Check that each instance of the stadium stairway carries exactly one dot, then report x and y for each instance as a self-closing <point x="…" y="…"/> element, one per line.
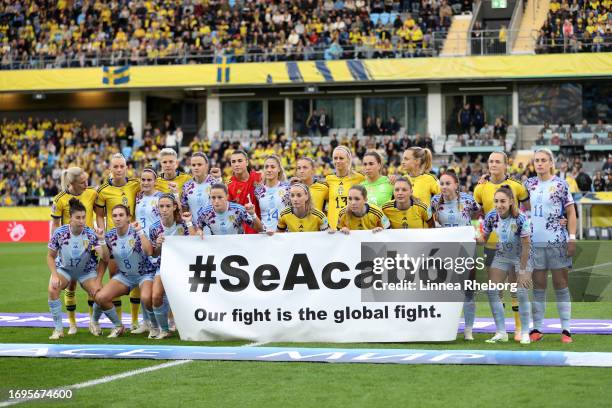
<point x="533" y="19"/>
<point x="456" y="39"/>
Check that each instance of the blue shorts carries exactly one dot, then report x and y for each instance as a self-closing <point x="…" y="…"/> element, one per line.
<point x="81" y="278"/>
<point x="542" y="258"/>
<point x="132" y="281"/>
<point x="505" y="264"/>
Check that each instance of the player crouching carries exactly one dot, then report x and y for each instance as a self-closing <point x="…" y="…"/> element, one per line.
<point x="71" y="258"/>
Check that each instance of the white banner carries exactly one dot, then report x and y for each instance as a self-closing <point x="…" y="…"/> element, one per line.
<point x="308" y="287"/>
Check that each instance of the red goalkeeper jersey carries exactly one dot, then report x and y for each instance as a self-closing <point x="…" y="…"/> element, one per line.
<point x="240" y="190"/>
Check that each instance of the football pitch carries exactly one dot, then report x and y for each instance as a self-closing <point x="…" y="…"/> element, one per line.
<point x="140" y="382"/>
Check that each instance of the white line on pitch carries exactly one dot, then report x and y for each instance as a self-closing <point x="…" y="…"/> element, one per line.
<point x="586" y="268"/>
<point x="256" y="344"/>
<point x="102" y="380"/>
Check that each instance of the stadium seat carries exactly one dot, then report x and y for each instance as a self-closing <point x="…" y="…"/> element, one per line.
<point x="604" y="234"/>
<point x="374" y="17"/>
<point x="592" y="233"/>
<point x="452" y="137"/>
<point x="384" y="18"/>
<point x="439" y="146"/>
<point x="256" y="133"/>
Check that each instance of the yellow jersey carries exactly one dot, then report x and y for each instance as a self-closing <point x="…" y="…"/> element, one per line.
<point x="161" y="184"/>
<point x="60" y="209"/>
<point x="109" y="196"/>
<point x="314" y="221"/>
<point x="424" y="187"/>
<point x="338" y="194"/>
<point x="373" y="218"/>
<point x="484" y="193"/>
<point x="319" y="193"/>
<point x="415" y="216"/>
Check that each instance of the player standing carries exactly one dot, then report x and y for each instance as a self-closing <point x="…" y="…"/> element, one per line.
<point x="273" y="194"/>
<point x="512" y="230"/>
<point x="380" y="189"/>
<point x="170" y="223"/>
<point x="416" y="164"/>
<point x="147" y="214"/>
<point x="241" y="188"/>
<point x="74" y="185"/>
<point x="340" y="183"/>
<point x="196" y="192"/>
<point x="71" y="258"/>
<point x="484" y="195"/>
<point x="452" y="208"/>
<point x="305" y="173"/>
<point x="118" y="189"/>
<point x="553" y="241"/>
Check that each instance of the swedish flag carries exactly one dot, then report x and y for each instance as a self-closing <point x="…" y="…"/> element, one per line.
<point x="116" y="75"/>
<point x="223" y="69"/>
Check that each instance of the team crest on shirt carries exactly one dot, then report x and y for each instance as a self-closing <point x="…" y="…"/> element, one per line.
<point x="551" y="189"/>
<point x="180" y="231"/>
<point x="513" y="228"/>
<point x="124" y="200"/>
<point x="85" y="243"/>
<point x="231" y="218"/>
<point x="132" y="243"/>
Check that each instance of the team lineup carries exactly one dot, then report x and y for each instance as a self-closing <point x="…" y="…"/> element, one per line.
<point x="527" y="229"/>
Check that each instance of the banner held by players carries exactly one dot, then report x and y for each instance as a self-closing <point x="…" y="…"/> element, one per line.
<point x="309" y="287"/>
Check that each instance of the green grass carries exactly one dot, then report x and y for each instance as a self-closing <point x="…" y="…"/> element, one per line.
<point x="23" y="283"/>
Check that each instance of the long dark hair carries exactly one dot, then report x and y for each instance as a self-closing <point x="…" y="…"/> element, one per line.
<point x="505" y="189"/>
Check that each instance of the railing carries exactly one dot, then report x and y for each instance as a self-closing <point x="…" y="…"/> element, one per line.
<point x="480" y="42"/>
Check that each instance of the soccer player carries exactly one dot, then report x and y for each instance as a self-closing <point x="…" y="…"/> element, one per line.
<point x="170" y="179"/>
<point x="196" y="192"/>
<point x="241" y="188"/>
<point x="380" y="189"/>
<point x="484" y="195"/>
<point x="147" y="214"/>
<point x="416" y="164"/>
<point x="452" y="208"/>
<point x="553" y="241"/>
<point x="301" y="216"/>
<point x="223" y="217"/>
<point x="147" y="211"/>
<point x="169" y="224"/>
<point x="512" y="253"/>
<point x="118" y="189"/>
<point x="131" y="250"/>
<point x="74" y="185"/>
<point x="305" y="173"/>
<point x="340" y="183"/>
<point x="359" y="214"/>
<point x="273" y="194"/>
<point x="406" y="211"/>
<point x="70" y="258"/>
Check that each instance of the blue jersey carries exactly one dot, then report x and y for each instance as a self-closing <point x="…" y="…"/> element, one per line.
<point x="74" y="252"/>
<point x="147" y="212"/>
<point x="128" y="253"/>
<point x="158" y="229"/>
<point x="509" y="232"/>
<point x="197" y="195"/>
<point x="455" y="213"/>
<point x="272" y="200"/>
<point x="548" y="202"/>
<point x="226" y="223"/>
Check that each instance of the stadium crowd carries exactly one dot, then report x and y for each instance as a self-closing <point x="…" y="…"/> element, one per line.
<point x="60" y="33"/>
<point x="576" y="26"/>
<point x="33" y="153"/>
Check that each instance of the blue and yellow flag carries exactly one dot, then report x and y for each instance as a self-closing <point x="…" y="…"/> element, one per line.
<point x="223" y="69"/>
<point x="116" y="75"/>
